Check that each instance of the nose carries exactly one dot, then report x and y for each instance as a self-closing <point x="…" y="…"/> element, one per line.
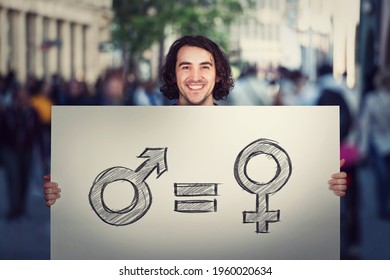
<point x="196" y="75"/>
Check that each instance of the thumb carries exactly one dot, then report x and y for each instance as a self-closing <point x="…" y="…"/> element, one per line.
<point x="342" y="161"/>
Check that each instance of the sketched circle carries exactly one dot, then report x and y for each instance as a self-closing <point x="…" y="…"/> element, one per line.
<point x="262" y="168"/>
<point x="138" y="207"/>
<point x="119" y="195"/>
<point x="272" y="150"/>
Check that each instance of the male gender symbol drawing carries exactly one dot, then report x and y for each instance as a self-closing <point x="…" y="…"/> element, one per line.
<point x="262" y="216"/>
<point x="155" y="159"/>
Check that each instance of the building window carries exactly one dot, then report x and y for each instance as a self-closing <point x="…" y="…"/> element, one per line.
<point x="45" y="56"/>
<point x="84" y="54"/>
<point x="10" y="36"/>
<point x="59" y="46"/>
<point x="72" y="49"/>
<point x="31" y="43"/>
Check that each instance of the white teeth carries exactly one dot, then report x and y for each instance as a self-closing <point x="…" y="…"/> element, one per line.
<point x="195" y="87"/>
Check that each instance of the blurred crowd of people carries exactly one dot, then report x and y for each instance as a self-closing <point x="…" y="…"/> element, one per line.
<point x="25" y="120"/>
<point x="25" y="127"/>
<point x="364" y="137"/>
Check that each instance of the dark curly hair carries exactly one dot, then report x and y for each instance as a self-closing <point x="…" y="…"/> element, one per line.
<point x="224" y="80"/>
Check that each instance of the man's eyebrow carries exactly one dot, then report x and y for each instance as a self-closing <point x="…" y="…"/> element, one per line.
<point x="184" y="63"/>
<point x="189" y="63"/>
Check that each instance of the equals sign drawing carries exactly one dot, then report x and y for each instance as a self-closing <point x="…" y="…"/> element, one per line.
<point x="196" y="190"/>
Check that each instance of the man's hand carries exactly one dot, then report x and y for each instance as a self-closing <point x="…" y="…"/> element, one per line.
<point x="338" y="182"/>
<point x="51" y="191"/>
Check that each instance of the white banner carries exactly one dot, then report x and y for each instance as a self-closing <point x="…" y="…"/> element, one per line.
<point x="198" y="183"/>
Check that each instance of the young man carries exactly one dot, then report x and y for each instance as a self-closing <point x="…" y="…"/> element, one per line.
<point x="197" y="72"/>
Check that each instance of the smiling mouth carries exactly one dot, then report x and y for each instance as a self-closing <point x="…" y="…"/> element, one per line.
<point x="195" y="87"/>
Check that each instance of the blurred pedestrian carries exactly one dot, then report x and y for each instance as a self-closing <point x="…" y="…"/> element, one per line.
<point x="110" y="89"/>
<point x="375" y="137"/>
<point x="332" y="93"/>
<point x="295" y="89"/>
<point x="148" y="95"/>
<point x="41" y="101"/>
<point x="76" y="93"/>
<point x="132" y="85"/>
<point x="21" y="131"/>
<point x="7" y="86"/>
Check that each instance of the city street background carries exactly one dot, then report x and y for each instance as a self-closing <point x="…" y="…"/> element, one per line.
<point x="110" y="52"/>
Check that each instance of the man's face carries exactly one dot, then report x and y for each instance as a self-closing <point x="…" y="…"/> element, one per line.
<point x="195" y="76"/>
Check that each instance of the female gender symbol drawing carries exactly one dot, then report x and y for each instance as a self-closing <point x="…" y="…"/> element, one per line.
<point x="262" y="216"/>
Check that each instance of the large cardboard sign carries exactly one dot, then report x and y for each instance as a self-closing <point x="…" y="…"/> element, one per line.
<point x="180" y="182"/>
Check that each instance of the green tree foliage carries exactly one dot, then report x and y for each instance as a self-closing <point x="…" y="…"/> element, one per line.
<point x="140" y="23"/>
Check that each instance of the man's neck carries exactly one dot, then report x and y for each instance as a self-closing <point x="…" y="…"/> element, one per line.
<point x="186" y="103"/>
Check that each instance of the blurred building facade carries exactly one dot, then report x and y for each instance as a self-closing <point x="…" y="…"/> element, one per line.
<point x="256" y="38"/>
<point x="328" y="34"/>
<point x="300" y="34"/>
<point x="46" y="37"/>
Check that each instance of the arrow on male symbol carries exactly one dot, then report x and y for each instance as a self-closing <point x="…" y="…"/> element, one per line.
<point x="156" y="158"/>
